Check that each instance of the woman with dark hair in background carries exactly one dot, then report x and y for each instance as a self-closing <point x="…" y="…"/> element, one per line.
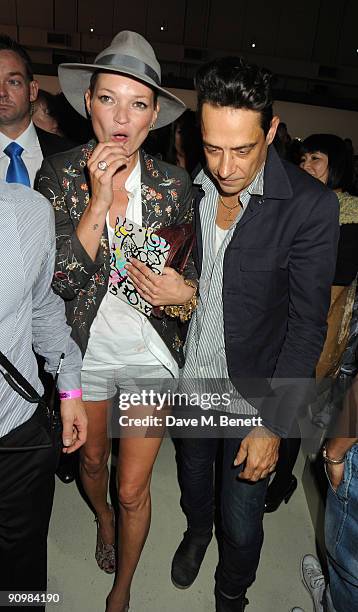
<point x="325" y="157"/>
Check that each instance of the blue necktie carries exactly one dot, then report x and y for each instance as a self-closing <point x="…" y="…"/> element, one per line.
<point x="17" y="171"/>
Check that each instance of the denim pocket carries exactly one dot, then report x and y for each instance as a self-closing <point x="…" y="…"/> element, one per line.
<point x="337" y="507"/>
<point x="342" y="489"/>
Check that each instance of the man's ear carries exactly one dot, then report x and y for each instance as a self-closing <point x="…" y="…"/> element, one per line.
<point x="34" y="90"/>
<point x="88" y="101"/>
<point x="273" y="128"/>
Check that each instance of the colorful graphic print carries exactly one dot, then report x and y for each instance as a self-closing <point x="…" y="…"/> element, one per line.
<point x="132" y="240"/>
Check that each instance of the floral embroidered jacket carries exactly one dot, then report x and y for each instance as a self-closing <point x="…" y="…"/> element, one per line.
<point x="166" y="200"/>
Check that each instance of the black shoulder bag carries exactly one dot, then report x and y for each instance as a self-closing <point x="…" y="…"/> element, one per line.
<point x="48" y="419"/>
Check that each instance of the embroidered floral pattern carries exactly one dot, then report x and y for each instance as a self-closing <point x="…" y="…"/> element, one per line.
<point x="163" y="203"/>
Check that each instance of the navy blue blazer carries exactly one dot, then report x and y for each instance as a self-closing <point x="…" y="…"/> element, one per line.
<point x="277" y="277"/>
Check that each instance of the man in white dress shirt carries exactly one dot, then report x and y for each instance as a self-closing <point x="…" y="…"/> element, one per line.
<point x="18" y="90"/>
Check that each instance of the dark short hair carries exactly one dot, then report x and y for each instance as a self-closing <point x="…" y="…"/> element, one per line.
<point x="49" y="99"/>
<point x="339" y="162"/>
<point x="94" y="77"/>
<point x="230" y="81"/>
<point x="9" y="44"/>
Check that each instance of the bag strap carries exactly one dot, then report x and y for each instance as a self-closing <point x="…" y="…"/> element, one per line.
<point x="14" y="375"/>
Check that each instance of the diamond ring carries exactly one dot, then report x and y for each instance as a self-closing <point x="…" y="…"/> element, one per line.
<point x="102" y="165"/>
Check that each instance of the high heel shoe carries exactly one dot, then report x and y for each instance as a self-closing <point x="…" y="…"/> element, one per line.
<point x="105" y="553"/>
<point x="274" y="500"/>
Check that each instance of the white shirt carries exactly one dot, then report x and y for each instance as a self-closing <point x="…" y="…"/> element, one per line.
<point x="219" y="237"/>
<point x="31" y="156"/>
<point x="120" y="335"/>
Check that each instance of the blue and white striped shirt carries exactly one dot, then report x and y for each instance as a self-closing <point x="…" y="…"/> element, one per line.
<point x="205" y="356"/>
<point x="31" y="315"/>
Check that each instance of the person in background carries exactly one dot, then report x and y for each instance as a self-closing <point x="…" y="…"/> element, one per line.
<point x="72" y="125"/>
<point x="31" y="315"/>
<point x="44" y="112"/>
<point x="282" y="140"/>
<point x="338" y="593"/>
<point x="329" y="159"/>
<point x="186" y="149"/>
<point x="325" y="157"/>
<point x="92" y="189"/>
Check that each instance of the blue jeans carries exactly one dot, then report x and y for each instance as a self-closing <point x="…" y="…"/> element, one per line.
<point x="341" y="534"/>
<point x="241" y="505"/>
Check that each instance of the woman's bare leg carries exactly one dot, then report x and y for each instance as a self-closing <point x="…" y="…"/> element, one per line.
<point x="135" y="464"/>
<point x="94" y="469"/>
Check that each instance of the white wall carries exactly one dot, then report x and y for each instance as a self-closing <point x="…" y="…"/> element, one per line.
<point x="302" y="119"/>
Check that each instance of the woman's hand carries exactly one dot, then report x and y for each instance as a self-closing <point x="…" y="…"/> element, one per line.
<point x="164" y="289"/>
<point x="115" y="156"/>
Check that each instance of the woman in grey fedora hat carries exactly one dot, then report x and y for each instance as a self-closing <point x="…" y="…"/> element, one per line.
<point x="90" y="187"/>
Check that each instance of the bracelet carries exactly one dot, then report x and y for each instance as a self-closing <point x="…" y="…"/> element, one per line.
<point x="184" y="311"/>
<point x="327" y="459"/>
<point x="72" y="394"/>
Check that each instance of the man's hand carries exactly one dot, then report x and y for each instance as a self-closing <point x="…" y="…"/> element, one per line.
<point x="335" y="474"/>
<point x="74" y="422"/>
<point x="260" y="451"/>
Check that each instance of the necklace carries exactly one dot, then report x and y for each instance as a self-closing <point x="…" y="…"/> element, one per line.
<point x="228" y="215"/>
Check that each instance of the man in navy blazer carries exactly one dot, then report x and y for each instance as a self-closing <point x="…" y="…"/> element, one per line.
<point x="267" y="237"/>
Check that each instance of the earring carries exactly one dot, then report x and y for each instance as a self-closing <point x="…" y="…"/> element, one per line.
<point x="151" y="127"/>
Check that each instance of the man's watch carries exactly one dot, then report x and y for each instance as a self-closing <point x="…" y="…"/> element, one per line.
<point x="327" y="459"/>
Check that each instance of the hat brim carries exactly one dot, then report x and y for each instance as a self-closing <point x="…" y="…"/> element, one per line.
<point x="75" y="79"/>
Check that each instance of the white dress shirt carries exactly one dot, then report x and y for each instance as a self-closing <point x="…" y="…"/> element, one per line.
<point x="31" y="156"/>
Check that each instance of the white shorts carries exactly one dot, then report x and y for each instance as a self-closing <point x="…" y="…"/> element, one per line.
<point x="103" y="384"/>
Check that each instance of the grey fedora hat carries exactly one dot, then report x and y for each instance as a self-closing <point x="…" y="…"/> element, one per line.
<point x="129" y="54"/>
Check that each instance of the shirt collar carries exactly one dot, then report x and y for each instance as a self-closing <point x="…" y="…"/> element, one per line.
<point x="133" y="181"/>
<point x="256" y="186"/>
<point x="28" y="139"/>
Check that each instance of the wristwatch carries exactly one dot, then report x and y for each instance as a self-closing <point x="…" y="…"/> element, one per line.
<point x="327" y="459"/>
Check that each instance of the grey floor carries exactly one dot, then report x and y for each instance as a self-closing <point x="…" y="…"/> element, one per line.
<point x="74" y="573"/>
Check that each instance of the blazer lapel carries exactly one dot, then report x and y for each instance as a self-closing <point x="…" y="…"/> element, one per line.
<point x="158" y="193"/>
<point x="254" y="208"/>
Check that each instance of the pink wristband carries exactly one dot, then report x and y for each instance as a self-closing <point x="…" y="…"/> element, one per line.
<point x="72" y="394"/>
